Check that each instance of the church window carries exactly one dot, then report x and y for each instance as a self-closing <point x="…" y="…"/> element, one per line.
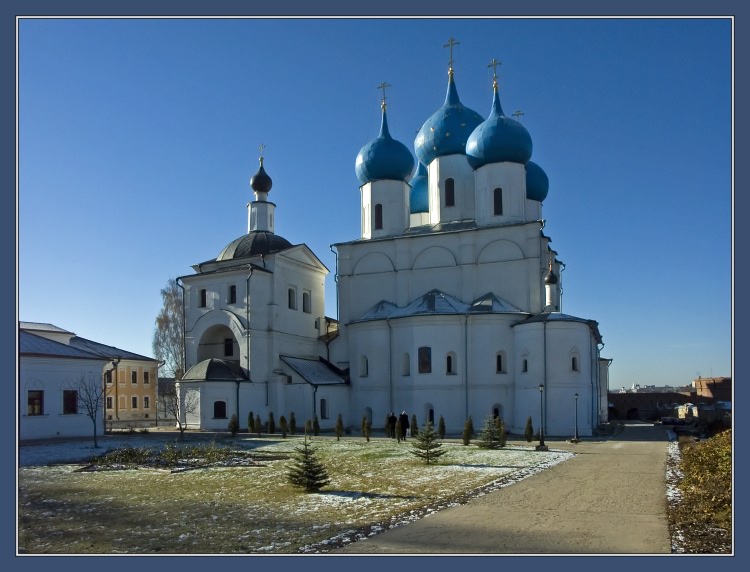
<point x="525" y="366"/>
<point x="450" y="364"/>
<point x="498" y="202"/>
<point x="145" y="378"/>
<point x="574" y="363"/>
<point x="292" y="295"/>
<point x="306" y="302"/>
<point x="134" y="402"/>
<point x="228" y="347"/>
<point x="500" y="362"/>
<point x="35" y="402"/>
<point x="406" y="365"/>
<point x="70" y="401"/>
<point x="134" y="377"/>
<point x="424" y="356"/>
<point x="450" y="193"/>
<point x="220" y="409"/>
<point x="109" y="403"/>
<point x="146" y="402"/>
<point x="233" y="294"/>
<point x="378" y="217"/>
<point x="324" y="409"/>
<point x="203" y="298"/>
<point x="364" y="366"/>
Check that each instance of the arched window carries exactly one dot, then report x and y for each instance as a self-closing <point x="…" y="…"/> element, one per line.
<point x="203" y="298"/>
<point x="574" y="363"/>
<point x="292" y="295"/>
<point x="406" y="365"/>
<point x="378" y="217"/>
<point x="450" y="363"/>
<point x="233" y="294"/>
<point x="425" y="360"/>
<point x="220" y="410"/>
<point x="306" y="302"/>
<point x="498" y="202"/>
<point x="228" y="347"/>
<point x="364" y="367"/>
<point x="450" y="193"/>
<point x="500" y="362"/>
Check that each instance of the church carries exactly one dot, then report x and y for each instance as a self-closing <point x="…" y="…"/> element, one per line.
<point x="448" y="301"/>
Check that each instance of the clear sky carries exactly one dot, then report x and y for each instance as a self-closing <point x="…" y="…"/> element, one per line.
<point x="137" y="139"/>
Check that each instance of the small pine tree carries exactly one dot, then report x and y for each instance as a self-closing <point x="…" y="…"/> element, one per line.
<point x="528" y="432"/>
<point x="466" y="436"/>
<point x="307" y="472"/>
<point x="413" y="426"/>
<point x="339" y="427"/>
<point x="425" y="445"/>
<point x="316" y="426"/>
<point x="250" y="422"/>
<point x="471" y="427"/>
<point x="271" y="423"/>
<point x="502" y="435"/>
<point x="234" y="425"/>
<point x="364" y="424"/>
<point x="308" y="427"/>
<point x="258" y="426"/>
<point x="368" y="430"/>
<point x="398" y="430"/>
<point x="284" y="426"/>
<point x="441" y="428"/>
<point x="490" y="436"/>
<point x="292" y="423"/>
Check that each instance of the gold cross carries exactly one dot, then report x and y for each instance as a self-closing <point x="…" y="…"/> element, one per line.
<point x="261" y="147"/>
<point x="451" y="42"/>
<point x="493" y="64"/>
<point x="382" y="86"/>
<point x="518" y="113"/>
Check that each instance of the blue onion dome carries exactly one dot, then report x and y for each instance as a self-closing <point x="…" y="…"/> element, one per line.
<point x="418" y="198"/>
<point x="260" y="181"/>
<point x="498" y="139"/>
<point x="384" y="158"/>
<point x="537" y="183"/>
<point x="446" y="131"/>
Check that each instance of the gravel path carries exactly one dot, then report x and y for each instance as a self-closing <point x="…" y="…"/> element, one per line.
<point x="609" y="499"/>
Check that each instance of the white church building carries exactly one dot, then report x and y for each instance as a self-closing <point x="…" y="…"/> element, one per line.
<point x="448" y="301"/>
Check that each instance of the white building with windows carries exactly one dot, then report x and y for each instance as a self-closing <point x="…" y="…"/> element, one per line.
<point x="449" y="300"/>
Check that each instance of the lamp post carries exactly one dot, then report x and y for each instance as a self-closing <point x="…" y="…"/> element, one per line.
<point x="575" y="436"/>
<point x="541" y="446"/>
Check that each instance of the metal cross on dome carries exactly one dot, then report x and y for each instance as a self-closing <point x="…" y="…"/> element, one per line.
<point x="493" y="64"/>
<point x="261" y="147"/>
<point x="451" y="42"/>
<point x="517" y="114"/>
<point x="382" y="86"/>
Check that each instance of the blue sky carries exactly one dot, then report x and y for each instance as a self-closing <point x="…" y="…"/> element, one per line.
<point x="137" y="139"/>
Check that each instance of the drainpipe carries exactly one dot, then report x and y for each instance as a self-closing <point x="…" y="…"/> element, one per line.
<point x="315" y="399"/>
<point x="336" y="280"/>
<point x="116" y="363"/>
<point x="184" y="325"/>
<point x="466" y="366"/>
<point x="237" y="402"/>
<point x="560" y="288"/>
<point x="390" y="365"/>
<point x="247" y="321"/>
<point x="546" y="392"/>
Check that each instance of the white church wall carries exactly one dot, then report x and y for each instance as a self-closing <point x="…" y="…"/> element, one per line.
<point x="454" y="167"/>
<point x="511" y="178"/>
<point x="393" y="198"/>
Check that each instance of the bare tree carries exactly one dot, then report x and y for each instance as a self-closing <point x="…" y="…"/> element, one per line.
<point x="167" y="343"/>
<point x="172" y="407"/>
<point x="90" y="397"/>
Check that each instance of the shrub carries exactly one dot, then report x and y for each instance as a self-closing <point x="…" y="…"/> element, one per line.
<point x="471" y="427"/>
<point x="283" y="426"/>
<point x="307" y="472"/>
<point x="441" y="428"/>
<point x="413" y="426"/>
<point x="258" y="426"/>
<point x="425" y="445"/>
<point x="466" y="436"/>
<point x="292" y="423"/>
<point x="339" y="427"/>
<point x="271" y="423"/>
<point x="250" y="422"/>
<point x="234" y="425"/>
<point x="489" y="438"/>
<point x="528" y="432"/>
<point x="364" y="424"/>
<point x="316" y="426"/>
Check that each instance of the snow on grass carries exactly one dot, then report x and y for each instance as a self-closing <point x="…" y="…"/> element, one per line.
<point x="374" y="486"/>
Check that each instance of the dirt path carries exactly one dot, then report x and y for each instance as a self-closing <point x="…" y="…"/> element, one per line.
<point x="609" y="499"/>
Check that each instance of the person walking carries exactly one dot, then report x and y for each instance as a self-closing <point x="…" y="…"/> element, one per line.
<point x="392" y="425"/>
<point x="404" y="418"/>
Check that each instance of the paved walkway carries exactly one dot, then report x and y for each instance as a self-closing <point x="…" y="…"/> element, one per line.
<point x="609" y="499"/>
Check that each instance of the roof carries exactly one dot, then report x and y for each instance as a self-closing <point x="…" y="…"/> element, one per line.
<point x="252" y="244"/>
<point x="438" y="302"/>
<point x="31" y="344"/>
<point x="106" y="351"/>
<point x="315" y="371"/>
<point x="558" y="317"/>
<point x="42" y="327"/>
<point x="215" y="369"/>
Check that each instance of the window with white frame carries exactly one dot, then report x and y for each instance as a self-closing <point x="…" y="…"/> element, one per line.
<point x="292" y="297"/>
<point x="134" y="376"/>
<point x="306" y="306"/>
<point x="35" y="402"/>
<point x="424" y="359"/>
<point x="70" y="402"/>
<point x="450" y="363"/>
<point x="145" y="378"/>
<point x="232" y="298"/>
<point x="109" y="403"/>
<point x="146" y="402"/>
<point x="134" y="402"/>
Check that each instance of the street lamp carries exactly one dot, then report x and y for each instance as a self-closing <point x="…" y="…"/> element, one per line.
<point x="541" y="446"/>
<point x="575" y="437"/>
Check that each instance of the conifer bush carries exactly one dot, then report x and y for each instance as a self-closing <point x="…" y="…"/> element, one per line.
<point x="307" y="471"/>
<point x="316" y="426"/>
<point x="271" y="423"/>
<point x="308" y="427"/>
<point x="528" y="432"/>
<point x="250" y="422"/>
<point x="489" y="438"/>
<point x="441" y="428"/>
<point x="426" y="446"/>
<point x="233" y="426"/>
<point x="368" y="430"/>
<point x="258" y="426"/>
<point x="339" y="427"/>
<point x="413" y="426"/>
<point x="284" y="426"/>
<point x="466" y="436"/>
<point x="292" y="423"/>
<point x="364" y="423"/>
<point x="472" y="433"/>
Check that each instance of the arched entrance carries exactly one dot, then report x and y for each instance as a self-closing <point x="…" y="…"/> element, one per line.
<point x="219" y="342"/>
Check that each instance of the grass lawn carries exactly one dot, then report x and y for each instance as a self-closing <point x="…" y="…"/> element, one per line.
<point x="224" y="510"/>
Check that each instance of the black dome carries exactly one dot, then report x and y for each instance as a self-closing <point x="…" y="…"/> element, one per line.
<point x="215" y="369"/>
<point x="253" y="244"/>
<point x="551" y="278"/>
<point x="260" y="181"/>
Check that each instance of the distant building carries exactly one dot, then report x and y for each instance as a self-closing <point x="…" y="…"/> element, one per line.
<point x="713" y="388"/>
<point x="129" y="378"/>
